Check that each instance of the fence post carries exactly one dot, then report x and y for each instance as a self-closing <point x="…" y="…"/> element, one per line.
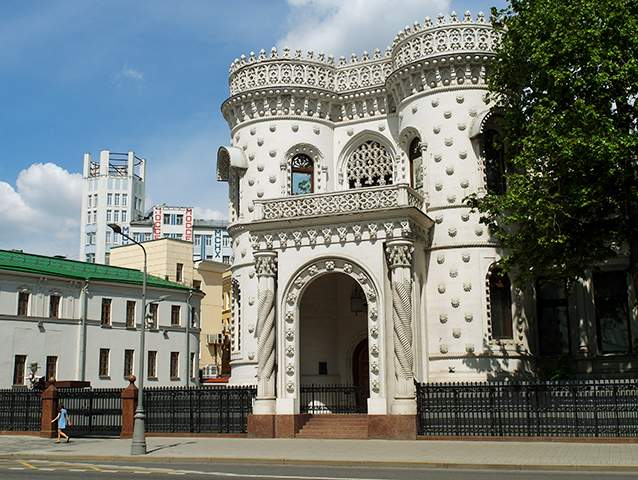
<point x="129" y="404"/>
<point x="49" y="410"/>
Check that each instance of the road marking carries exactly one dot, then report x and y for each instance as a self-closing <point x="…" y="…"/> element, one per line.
<point x="26" y="464"/>
<point x="17" y="468"/>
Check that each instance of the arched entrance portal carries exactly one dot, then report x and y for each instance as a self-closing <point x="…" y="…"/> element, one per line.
<point x="333" y="347"/>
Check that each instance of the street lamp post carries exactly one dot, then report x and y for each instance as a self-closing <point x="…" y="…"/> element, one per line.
<point x="138" y="445"/>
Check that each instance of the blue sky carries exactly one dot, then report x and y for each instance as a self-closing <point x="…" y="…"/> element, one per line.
<point x="81" y="76"/>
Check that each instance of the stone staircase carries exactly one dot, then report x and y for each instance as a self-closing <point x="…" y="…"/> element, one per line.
<point x="335" y="426"/>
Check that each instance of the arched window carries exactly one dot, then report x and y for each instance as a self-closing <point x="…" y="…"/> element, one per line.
<point x="416" y="164"/>
<point x="301" y="175"/>
<point x="494" y="158"/>
<point x="500" y="304"/>
<point x="370" y="165"/>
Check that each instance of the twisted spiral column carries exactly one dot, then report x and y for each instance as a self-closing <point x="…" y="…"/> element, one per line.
<point x="266" y="270"/>
<point x="399" y="257"/>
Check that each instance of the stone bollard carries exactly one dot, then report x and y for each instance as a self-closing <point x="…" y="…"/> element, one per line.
<point x="129" y="404"/>
<point x="49" y="410"/>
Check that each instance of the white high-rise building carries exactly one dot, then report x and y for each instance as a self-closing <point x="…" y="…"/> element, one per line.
<point x="113" y="193"/>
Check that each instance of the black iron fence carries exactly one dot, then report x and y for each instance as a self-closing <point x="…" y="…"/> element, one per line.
<point x="93" y="411"/>
<point x="20" y="410"/>
<point x="588" y="408"/>
<point x="338" y="399"/>
<point x="198" y="409"/>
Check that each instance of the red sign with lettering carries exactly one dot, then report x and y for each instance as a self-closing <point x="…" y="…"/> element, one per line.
<point x="188" y="225"/>
<point x="157" y="223"/>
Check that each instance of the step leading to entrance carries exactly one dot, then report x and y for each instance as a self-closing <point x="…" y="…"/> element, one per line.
<point x="335" y="426"/>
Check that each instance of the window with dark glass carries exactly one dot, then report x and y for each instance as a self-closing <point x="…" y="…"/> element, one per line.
<point x="54" y="306"/>
<point x="174" y="365"/>
<point x="52" y="367"/>
<point x="301" y="175"/>
<point x="104" y="362"/>
<point x="151" y="371"/>
<point x="130" y="314"/>
<point x="105" y="319"/>
<point x="179" y="272"/>
<point x="152" y="324"/>
<point x="19" y="364"/>
<point x="193" y="366"/>
<point x="175" y="315"/>
<point x="553" y="317"/>
<point x="612" y="312"/>
<point x="500" y="304"/>
<point x="416" y="164"/>
<point x="494" y="158"/>
<point x="128" y="363"/>
<point x="23" y="303"/>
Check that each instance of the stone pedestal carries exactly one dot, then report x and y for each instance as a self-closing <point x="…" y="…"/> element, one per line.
<point x="129" y="404"/>
<point x="49" y="411"/>
<point x="392" y="427"/>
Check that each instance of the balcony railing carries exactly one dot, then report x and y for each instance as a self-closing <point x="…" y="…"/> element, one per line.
<point x="334" y="203"/>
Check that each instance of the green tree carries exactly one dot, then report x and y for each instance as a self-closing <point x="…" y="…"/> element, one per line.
<point x="565" y="81"/>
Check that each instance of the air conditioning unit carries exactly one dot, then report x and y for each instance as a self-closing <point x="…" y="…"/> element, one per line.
<point x="211" y="338"/>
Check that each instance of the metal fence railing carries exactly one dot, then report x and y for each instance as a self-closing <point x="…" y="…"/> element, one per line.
<point x="93" y="411"/>
<point x="20" y="410"/>
<point x="337" y="399"/>
<point x="198" y="409"/>
<point x="587" y="408"/>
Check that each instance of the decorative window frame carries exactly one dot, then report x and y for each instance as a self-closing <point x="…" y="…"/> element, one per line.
<point x="286" y="168"/>
<point x="475" y="133"/>
<point x="352" y="145"/>
<point x="516" y="317"/>
<point x="407" y="135"/>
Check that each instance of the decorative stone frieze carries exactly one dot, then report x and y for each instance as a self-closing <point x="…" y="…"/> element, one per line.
<point x="452" y="51"/>
<point x="357" y="200"/>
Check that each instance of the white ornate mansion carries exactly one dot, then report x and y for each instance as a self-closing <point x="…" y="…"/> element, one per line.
<point x="355" y="260"/>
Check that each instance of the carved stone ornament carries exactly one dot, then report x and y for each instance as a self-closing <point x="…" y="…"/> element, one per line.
<point x="347" y="268"/>
<point x="313" y="270"/>
<point x="290" y="351"/>
<point x="290" y="369"/>
<point x="290" y="386"/>
<point x="292" y="298"/>
<point x="443" y="318"/>
<point x="266" y="265"/>
<point x="399" y="254"/>
<point x="289" y="317"/>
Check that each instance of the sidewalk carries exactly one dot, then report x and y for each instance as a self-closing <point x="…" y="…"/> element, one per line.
<point x="439" y="453"/>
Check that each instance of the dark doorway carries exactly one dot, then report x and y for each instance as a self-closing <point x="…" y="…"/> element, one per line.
<point x="361" y="374"/>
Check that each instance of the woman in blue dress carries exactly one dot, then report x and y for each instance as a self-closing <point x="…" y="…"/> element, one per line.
<point x="63" y="421"/>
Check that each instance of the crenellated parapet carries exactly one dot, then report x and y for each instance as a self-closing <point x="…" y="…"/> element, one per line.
<point x="449" y="51"/>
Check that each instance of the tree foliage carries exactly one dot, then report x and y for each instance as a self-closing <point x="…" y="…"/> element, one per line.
<point x="565" y="81"/>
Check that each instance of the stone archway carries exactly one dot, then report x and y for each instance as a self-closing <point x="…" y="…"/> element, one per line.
<point x="289" y="344"/>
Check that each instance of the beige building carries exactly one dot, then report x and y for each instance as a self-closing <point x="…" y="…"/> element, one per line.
<point x="167" y="258"/>
<point x="172" y="260"/>
<point x="208" y="276"/>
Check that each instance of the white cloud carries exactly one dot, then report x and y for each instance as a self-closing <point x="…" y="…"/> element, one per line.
<point x="128" y="73"/>
<point x="208" y="214"/>
<point x="42" y="214"/>
<point x="341" y="27"/>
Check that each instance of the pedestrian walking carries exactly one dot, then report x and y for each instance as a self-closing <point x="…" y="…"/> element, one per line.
<point x="64" y="421"/>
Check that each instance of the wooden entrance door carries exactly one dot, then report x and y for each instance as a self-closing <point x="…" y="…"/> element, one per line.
<point x="361" y="374"/>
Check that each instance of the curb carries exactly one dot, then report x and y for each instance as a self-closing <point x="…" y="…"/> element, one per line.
<point x="343" y="463"/>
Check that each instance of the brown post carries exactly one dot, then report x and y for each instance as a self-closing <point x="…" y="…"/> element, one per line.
<point x="129" y="404"/>
<point x="49" y="411"/>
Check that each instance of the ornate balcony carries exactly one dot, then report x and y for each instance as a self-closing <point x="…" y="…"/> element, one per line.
<point x="338" y="203"/>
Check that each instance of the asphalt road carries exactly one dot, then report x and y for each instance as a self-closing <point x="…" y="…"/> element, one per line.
<point x="21" y="469"/>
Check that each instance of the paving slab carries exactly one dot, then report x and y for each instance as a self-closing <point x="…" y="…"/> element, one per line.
<point x="438" y="453"/>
